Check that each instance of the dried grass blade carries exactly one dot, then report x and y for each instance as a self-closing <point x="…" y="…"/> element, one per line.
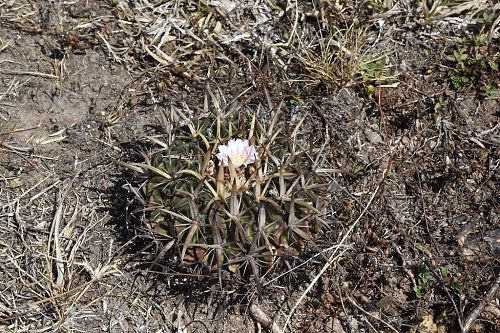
<point x="291" y="213"/>
<point x="282" y="185"/>
<point x="56" y="225"/>
<point x="215" y="101"/>
<point x="252" y="124"/>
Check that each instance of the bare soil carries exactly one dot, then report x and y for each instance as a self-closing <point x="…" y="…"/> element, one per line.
<point x="413" y="162"/>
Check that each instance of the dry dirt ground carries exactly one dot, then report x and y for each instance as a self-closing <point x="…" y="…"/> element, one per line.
<point x="404" y="94"/>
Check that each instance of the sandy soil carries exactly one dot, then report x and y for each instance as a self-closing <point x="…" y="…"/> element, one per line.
<point x="413" y="145"/>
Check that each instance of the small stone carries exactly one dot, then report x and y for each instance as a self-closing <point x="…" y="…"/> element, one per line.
<point x="335" y="326"/>
<point x="15" y="183"/>
<point x="374" y="137"/>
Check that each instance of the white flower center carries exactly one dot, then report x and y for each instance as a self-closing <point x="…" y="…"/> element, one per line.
<point x="238" y="151"/>
<point x="239" y="159"/>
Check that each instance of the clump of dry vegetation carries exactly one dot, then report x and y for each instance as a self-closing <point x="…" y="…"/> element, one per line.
<point x="371" y="203"/>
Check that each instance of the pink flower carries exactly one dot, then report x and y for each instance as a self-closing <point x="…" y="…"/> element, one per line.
<point x="238" y="151"/>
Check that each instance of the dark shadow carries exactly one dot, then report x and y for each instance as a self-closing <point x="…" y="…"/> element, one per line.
<point x="130" y="233"/>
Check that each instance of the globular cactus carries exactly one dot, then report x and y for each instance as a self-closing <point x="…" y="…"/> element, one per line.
<point x="232" y="193"/>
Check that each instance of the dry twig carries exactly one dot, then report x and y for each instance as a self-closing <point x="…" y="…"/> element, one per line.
<point x="333" y="257"/>
<point x="261" y="317"/>
<point x="477" y="311"/>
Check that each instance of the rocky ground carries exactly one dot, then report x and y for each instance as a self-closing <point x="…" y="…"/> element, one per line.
<point x="404" y="95"/>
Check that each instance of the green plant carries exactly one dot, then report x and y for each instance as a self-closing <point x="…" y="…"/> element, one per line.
<point x="232" y="209"/>
<point x="375" y="72"/>
<point x="456" y="286"/>
<point x="444" y="271"/>
<point x="472" y="62"/>
<point x="459" y="81"/>
<point x="441" y="104"/>
<point x="486" y="19"/>
<point x="460" y="56"/>
<point x="425" y="276"/>
<point x="491" y="92"/>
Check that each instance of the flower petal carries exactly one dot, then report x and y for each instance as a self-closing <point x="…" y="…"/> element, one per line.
<point x="223" y="154"/>
<point x="223" y="149"/>
<point x="238" y="151"/>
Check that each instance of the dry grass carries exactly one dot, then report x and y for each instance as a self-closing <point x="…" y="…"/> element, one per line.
<point x="45" y="272"/>
<point x="335" y="58"/>
<point x="413" y="165"/>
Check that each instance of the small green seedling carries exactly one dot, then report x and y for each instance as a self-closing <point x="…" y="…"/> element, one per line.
<point x="491" y="92"/>
<point x="417" y="247"/>
<point x="472" y="62"/>
<point x="444" y="271"/>
<point x="486" y="19"/>
<point x="441" y="104"/>
<point x="375" y="72"/>
<point x="425" y="277"/>
<point x="459" y="81"/>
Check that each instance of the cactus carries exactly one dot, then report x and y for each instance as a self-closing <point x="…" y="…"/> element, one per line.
<point x="232" y="193"/>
